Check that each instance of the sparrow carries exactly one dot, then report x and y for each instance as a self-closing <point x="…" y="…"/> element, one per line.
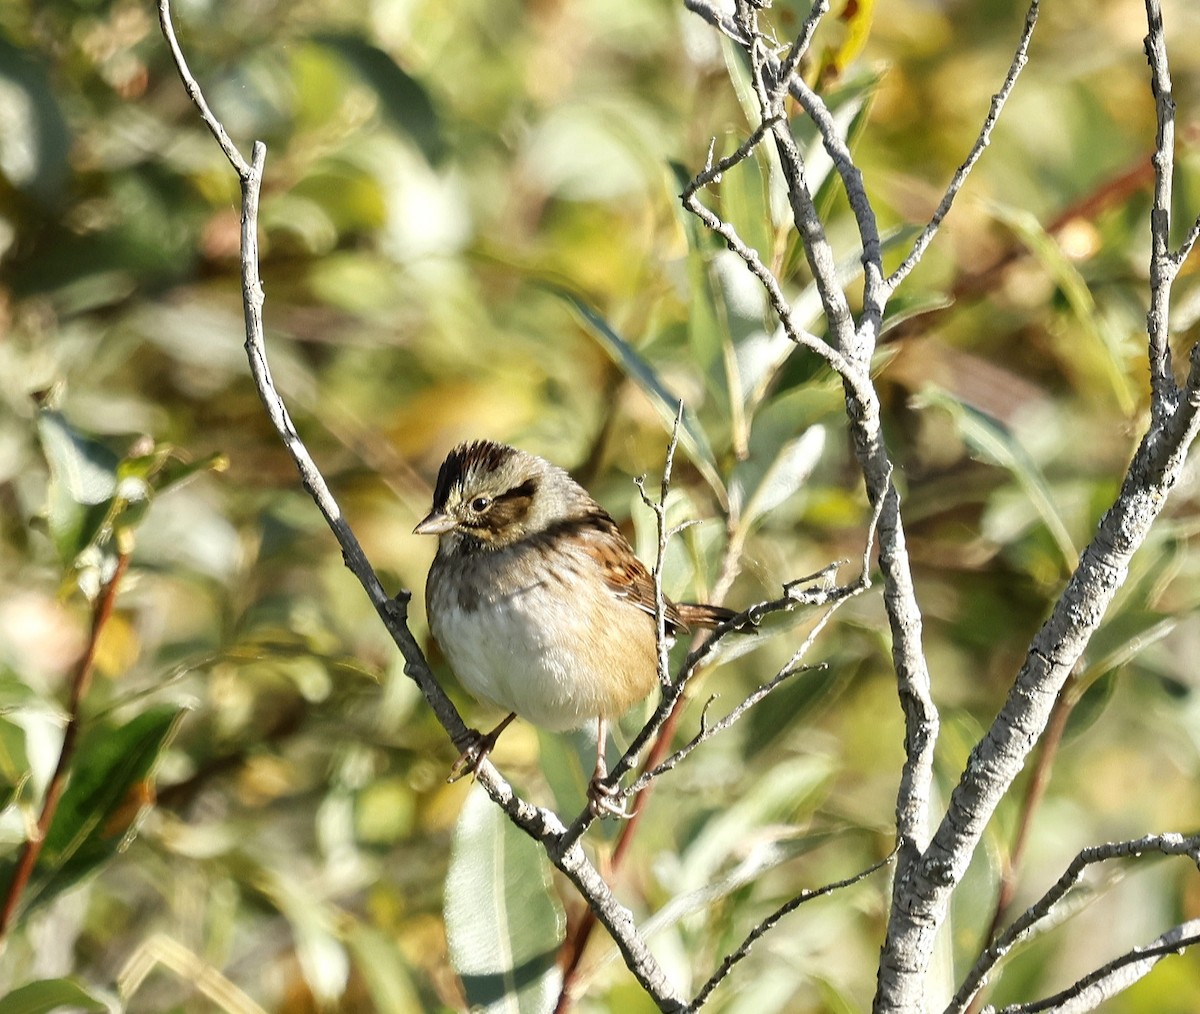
<point x="539" y="603"/>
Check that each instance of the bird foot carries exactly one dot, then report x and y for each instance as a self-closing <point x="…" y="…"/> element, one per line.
<point x="469" y="760"/>
<point x="606" y="800"/>
<point x="477" y="750"/>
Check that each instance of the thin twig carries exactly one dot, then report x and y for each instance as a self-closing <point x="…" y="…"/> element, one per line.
<point x="921" y="244"/>
<point x="779" y="303"/>
<point x="763" y="927"/>
<point x="240" y="165"/>
<point x="538" y="822"/>
<point x="713" y="171"/>
<point x="662" y="643"/>
<point x="1035" y="791"/>
<point x="1163" y="268"/>
<point x="800" y="45"/>
<point x="1161" y="844"/>
<point x="791" y="668"/>
<point x="1189" y="241"/>
<point x="102" y="611"/>
<point x="1110" y="979"/>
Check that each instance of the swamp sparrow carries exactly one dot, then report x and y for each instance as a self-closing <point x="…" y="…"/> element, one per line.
<point x="538" y="600"/>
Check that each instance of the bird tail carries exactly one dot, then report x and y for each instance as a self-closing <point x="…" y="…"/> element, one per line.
<point x="695" y="614"/>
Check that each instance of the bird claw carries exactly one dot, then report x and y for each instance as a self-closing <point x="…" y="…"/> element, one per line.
<point x="469" y="760"/>
<point x="606" y="800"/>
<point x="477" y="750"/>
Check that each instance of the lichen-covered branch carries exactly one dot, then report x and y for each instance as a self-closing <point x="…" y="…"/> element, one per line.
<point x="1048" y="903"/>
<point x="538" y="822"/>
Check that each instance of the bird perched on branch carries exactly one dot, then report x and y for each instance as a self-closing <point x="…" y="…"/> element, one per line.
<point x="539" y="602"/>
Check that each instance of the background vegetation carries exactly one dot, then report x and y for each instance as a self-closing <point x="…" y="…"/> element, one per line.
<point x="438" y="177"/>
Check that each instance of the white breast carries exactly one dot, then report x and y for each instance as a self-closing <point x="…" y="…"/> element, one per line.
<point x="559" y="650"/>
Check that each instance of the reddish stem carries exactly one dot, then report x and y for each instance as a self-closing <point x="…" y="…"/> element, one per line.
<point x="101" y="612"/>
<point x="1034" y="793"/>
<point x="576" y="942"/>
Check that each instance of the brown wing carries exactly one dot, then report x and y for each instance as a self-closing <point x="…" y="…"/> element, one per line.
<point x="628" y="578"/>
<point x="596" y="534"/>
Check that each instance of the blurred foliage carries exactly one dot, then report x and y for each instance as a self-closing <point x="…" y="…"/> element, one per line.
<point x="471" y="228"/>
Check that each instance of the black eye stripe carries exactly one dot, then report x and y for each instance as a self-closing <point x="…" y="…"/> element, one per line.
<point x="522" y="492"/>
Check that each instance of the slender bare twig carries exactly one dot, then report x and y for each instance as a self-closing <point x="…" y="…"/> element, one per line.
<point x="795" y="593"/>
<point x="779" y="303"/>
<point x="1109" y="979"/>
<point x="541" y="824"/>
<point x="1189" y="241"/>
<point x="763" y="927"/>
<point x="921" y="244"/>
<point x="1163" y="267"/>
<point x="707" y="731"/>
<point x="1160" y="844"/>
<point x="240" y="165"/>
<point x="659" y="508"/>
<point x="713" y="171"/>
<point x="102" y="611"/>
<point x="1039" y="780"/>
<point x="800" y="44"/>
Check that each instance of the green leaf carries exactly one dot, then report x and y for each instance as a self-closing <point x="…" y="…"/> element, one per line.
<point x="84" y="466"/>
<point x="384" y="969"/>
<point x="1103" y="338"/>
<point x="504" y="923"/>
<point x="785" y="475"/>
<point x="788" y="789"/>
<point x="14" y="763"/>
<point x="994" y="443"/>
<point x="643" y="374"/>
<point x="100" y="807"/>
<point x="403" y="99"/>
<point x="34" y="148"/>
<point x="83" y="479"/>
<point x="50" y="995"/>
<point x="903" y="306"/>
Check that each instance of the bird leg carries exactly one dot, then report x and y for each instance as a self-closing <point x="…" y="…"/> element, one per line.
<point x="481" y="745"/>
<point x="604" y="798"/>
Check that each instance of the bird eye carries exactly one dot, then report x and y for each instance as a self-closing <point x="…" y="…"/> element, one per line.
<point x="480" y="504"/>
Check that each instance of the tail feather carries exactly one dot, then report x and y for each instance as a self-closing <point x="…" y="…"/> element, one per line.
<point x="695" y="614"/>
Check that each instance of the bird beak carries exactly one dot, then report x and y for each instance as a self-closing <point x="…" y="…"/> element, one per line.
<point x="435" y="523"/>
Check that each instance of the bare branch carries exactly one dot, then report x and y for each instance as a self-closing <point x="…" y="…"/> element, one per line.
<point x="763" y="927"/>
<point x="539" y="823"/>
<point x="800" y="46"/>
<point x="664" y="535"/>
<point x="1163" y="267"/>
<point x="817" y="250"/>
<point x="721" y="21"/>
<point x="1160" y="844"/>
<point x="1103" y="567"/>
<point x="1108" y="980"/>
<point x="240" y="165"/>
<point x="921" y="244"/>
<point x="804" y="211"/>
